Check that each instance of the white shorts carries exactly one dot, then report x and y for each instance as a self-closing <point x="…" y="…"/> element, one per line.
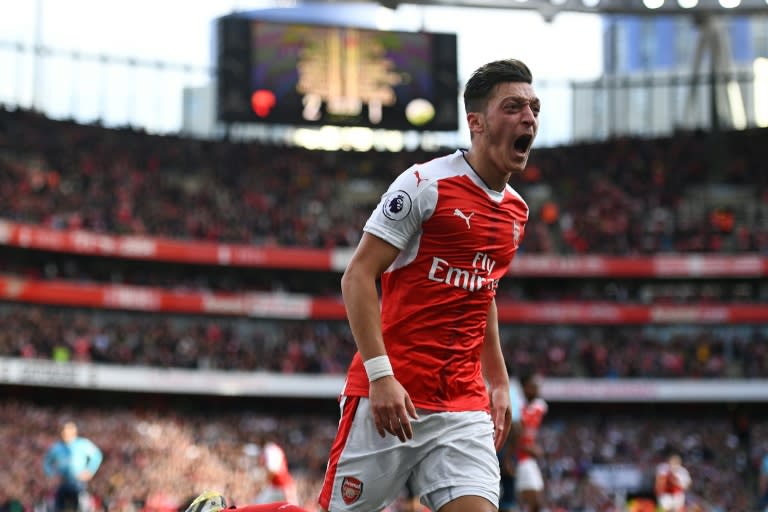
<point x="451" y="455"/>
<point x="528" y="476"/>
<point x="672" y="502"/>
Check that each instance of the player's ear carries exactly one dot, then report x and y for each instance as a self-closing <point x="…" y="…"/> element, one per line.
<point x="475" y="122"/>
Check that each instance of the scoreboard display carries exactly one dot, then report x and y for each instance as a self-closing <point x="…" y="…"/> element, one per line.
<point x="302" y="74"/>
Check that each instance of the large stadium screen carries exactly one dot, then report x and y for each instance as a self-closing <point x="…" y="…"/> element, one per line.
<point x="301" y="74"/>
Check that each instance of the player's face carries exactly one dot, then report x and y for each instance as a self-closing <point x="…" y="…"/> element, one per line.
<point x="532" y="388"/>
<point x="68" y="432"/>
<point x="509" y="126"/>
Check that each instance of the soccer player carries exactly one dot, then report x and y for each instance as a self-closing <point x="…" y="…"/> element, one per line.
<point x="528" y="479"/>
<point x="672" y="480"/>
<point x="508" y="455"/>
<point x="415" y="408"/>
<point x="72" y="461"/>
<point x="280" y="484"/>
<point x="426" y="400"/>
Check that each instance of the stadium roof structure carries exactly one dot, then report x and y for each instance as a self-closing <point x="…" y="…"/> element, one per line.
<point x="549" y="8"/>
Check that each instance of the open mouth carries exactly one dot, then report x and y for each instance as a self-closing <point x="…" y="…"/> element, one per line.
<point x="523" y="143"/>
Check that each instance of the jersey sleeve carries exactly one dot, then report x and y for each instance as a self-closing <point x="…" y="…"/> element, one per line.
<point x="273" y="458"/>
<point x="406" y="204"/>
<point x="541" y="405"/>
<point x="685" y="478"/>
<point x="49" y="461"/>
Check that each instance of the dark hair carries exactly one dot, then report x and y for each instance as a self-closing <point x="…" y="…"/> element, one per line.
<point x="525" y="374"/>
<point x="486" y="77"/>
<point x="670" y="451"/>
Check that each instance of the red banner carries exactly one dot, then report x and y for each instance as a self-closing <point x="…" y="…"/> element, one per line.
<point x="295" y="306"/>
<point x="161" y="249"/>
<point x="335" y="260"/>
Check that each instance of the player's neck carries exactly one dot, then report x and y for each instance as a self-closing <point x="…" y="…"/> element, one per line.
<point x="485" y="170"/>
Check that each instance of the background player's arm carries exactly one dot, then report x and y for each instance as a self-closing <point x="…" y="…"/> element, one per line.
<point x="50" y="466"/>
<point x="762" y="481"/>
<point x="534" y="450"/>
<point x="509" y="460"/>
<point x="495" y="373"/>
<point x="94" y="456"/>
<point x="48" y="463"/>
<point x="660" y="482"/>
<point x="390" y="403"/>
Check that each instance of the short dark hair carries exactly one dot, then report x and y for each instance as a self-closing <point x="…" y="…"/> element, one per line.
<point x="526" y="374"/>
<point x="485" y="78"/>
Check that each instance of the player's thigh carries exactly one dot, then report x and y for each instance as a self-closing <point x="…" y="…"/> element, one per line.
<point x="468" y="504"/>
<point x="460" y="460"/>
<point x="365" y="471"/>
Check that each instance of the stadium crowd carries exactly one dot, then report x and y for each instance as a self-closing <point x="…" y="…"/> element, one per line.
<point x="622" y="197"/>
<point x="157" y="456"/>
<point x="287" y="346"/>
<point x="626" y="196"/>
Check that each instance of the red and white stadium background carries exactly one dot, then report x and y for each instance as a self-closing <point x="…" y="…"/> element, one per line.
<point x="305" y="307"/>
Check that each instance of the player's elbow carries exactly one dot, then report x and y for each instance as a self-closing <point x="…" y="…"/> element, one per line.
<point x="354" y="276"/>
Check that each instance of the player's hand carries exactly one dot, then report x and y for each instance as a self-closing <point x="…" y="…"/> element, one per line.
<point x="534" y="451"/>
<point x="391" y="408"/>
<point x="501" y="415"/>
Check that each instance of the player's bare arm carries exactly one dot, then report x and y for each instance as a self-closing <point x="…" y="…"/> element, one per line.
<point x="495" y="373"/>
<point x="390" y="404"/>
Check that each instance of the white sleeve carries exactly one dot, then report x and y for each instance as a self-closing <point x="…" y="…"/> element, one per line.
<point x="273" y="458"/>
<point x="403" y="208"/>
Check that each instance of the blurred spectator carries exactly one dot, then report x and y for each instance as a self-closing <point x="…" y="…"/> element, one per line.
<point x="72" y="461"/>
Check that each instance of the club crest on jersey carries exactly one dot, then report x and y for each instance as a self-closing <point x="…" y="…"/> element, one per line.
<point x="351" y="489"/>
<point x="397" y="205"/>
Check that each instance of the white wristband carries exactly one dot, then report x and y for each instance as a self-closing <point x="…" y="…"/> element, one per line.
<point x="378" y="367"/>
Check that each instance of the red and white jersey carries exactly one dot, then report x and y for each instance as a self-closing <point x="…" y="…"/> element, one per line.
<point x="457" y="239"/>
<point x="274" y="461"/>
<point x="531" y="417"/>
<point x="671" y="479"/>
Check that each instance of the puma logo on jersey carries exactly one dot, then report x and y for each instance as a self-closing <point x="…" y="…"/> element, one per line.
<point x="466" y="218"/>
<point x="419" y="179"/>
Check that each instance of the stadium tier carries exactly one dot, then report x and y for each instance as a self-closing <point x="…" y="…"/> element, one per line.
<point x="623" y="197"/>
<point x="180" y="296"/>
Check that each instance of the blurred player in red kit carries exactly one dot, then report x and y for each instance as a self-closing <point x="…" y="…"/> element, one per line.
<point x="672" y="481"/>
<point x="280" y="485"/>
<point x="426" y="400"/>
<point x="528" y="479"/>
